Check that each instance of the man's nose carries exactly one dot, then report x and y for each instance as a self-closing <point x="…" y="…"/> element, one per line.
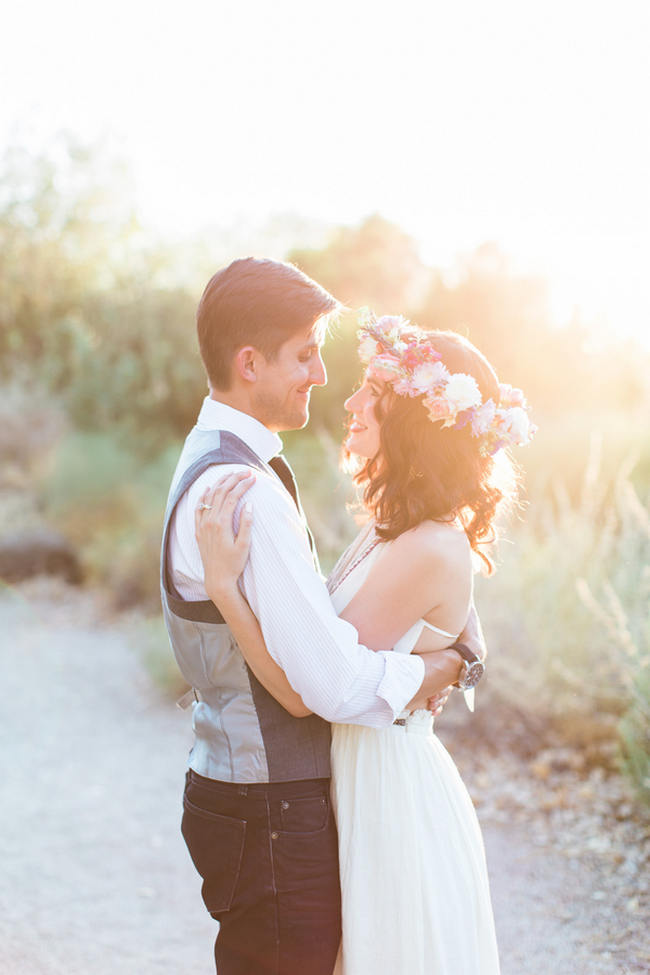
<point x="318" y="374"/>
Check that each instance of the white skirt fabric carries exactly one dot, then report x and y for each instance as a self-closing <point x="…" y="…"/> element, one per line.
<point x="413" y="874"/>
<point x="414" y="881"/>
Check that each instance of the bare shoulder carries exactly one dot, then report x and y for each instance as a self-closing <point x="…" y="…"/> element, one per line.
<point x="424" y="573"/>
<point x="432" y="547"/>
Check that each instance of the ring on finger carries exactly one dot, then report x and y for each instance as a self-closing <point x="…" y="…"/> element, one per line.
<point x="205" y="507"/>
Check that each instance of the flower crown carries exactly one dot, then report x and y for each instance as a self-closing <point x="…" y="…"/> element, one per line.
<point x="402" y="355"/>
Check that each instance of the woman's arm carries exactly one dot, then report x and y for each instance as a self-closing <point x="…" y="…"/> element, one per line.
<point x="472" y="634"/>
<point x="219" y="545"/>
<point x="425" y="573"/>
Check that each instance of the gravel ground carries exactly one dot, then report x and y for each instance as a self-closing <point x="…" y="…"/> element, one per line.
<point x="96" y="879"/>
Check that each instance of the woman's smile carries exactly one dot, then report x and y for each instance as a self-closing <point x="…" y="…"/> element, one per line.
<point x="363" y="434"/>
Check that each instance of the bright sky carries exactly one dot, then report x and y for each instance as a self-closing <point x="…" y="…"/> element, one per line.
<point x="524" y="123"/>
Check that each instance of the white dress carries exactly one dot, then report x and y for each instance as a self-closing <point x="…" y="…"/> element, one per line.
<point x="414" y="884"/>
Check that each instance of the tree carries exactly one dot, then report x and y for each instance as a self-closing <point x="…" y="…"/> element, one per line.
<point x="86" y="308"/>
<point x="375" y="265"/>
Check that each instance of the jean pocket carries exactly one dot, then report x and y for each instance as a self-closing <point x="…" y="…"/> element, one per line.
<point x="306" y="861"/>
<point x="304" y="815"/>
<point x="216" y="845"/>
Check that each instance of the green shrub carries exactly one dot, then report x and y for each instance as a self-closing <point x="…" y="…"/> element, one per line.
<point x="567" y="615"/>
<point x="634" y="732"/>
<point x="110" y="504"/>
<point x="141" y="372"/>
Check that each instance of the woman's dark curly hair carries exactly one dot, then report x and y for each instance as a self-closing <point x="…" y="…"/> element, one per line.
<point x="424" y="471"/>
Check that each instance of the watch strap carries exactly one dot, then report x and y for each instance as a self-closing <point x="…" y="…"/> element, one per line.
<point x="465" y="652"/>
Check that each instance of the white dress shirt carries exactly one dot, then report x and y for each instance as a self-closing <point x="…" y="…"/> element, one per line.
<point x="335" y="675"/>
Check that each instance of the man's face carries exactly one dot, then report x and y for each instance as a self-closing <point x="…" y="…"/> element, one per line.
<point x="281" y="395"/>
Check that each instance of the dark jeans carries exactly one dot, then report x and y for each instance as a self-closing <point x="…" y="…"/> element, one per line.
<point x="269" y="861"/>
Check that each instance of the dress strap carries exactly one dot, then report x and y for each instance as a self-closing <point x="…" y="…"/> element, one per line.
<point x="436" y="629"/>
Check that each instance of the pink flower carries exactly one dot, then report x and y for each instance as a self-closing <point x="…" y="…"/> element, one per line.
<point x="510" y="396"/>
<point x="411" y="357"/>
<point x="385" y="367"/>
<point x="483" y="418"/>
<point x="404" y="387"/>
<point x="438" y="408"/>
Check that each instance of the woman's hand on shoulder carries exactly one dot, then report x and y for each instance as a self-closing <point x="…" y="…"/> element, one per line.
<point x="224" y="553"/>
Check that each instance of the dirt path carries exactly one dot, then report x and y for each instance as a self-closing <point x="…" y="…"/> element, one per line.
<point x="95" y="878"/>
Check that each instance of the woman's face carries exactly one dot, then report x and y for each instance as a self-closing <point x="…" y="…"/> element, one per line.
<point x="363" y="431"/>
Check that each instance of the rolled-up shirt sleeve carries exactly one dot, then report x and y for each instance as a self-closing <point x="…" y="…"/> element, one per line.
<point x="336" y="676"/>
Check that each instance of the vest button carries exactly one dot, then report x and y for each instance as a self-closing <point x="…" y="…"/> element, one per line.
<point x="274" y="836"/>
<point x="284" y="804"/>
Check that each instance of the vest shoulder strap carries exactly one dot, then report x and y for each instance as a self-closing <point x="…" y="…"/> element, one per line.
<point x="229" y="449"/>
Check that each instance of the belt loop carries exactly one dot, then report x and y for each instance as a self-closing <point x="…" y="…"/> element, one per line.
<point x="243" y="790"/>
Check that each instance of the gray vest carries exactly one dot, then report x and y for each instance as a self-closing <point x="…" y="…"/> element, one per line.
<point x="241" y="732"/>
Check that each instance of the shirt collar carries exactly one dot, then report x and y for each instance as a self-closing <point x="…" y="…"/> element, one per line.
<point x="218" y="416"/>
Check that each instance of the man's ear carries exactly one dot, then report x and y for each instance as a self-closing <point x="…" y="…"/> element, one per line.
<point x="246" y="363"/>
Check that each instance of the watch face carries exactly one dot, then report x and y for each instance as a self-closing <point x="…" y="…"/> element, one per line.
<point x="473" y="674"/>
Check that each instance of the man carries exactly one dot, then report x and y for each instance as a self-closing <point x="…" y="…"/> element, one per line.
<point x="257" y="819"/>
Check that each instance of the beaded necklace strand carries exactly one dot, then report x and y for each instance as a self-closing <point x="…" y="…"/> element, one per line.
<point x="366" y="552"/>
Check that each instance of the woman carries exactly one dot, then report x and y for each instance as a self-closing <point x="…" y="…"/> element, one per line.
<point x="425" y="426"/>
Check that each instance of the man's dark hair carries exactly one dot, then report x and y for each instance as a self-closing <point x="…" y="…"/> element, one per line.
<point x="258" y="302"/>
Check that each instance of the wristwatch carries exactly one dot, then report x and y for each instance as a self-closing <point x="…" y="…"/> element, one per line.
<point x="473" y="667"/>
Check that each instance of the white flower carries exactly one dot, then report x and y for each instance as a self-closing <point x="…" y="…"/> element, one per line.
<point x="462" y="390"/>
<point x="368" y="349"/>
<point x="428" y="375"/>
<point x="391" y="323"/>
<point x="517" y="424"/>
